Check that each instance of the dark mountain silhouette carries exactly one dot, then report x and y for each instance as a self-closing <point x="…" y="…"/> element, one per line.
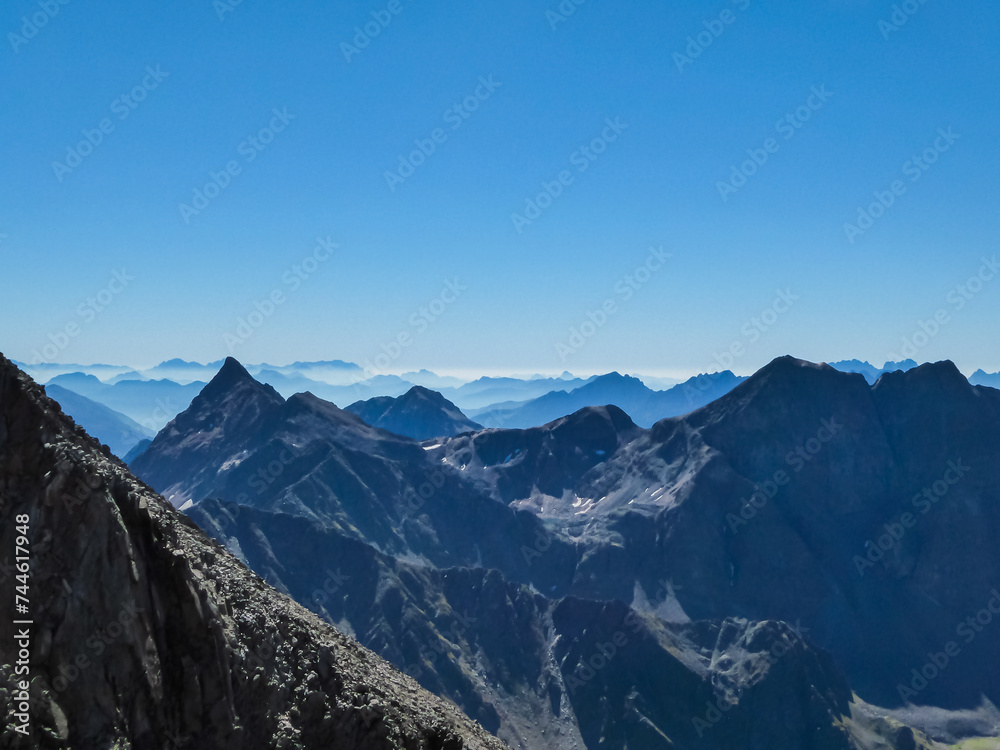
<point x="146" y="634"/>
<point x="117" y="431"/>
<point x="419" y="413"/>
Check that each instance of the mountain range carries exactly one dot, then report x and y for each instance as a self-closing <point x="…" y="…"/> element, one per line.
<point x="155" y="395"/>
<point x="645" y="406"/>
<point x="797" y="497"/>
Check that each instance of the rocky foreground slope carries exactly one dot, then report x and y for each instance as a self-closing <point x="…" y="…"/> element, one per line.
<point x="147" y="634"/>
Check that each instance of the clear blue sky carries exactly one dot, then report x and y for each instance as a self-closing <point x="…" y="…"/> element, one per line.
<point x="655" y="185"/>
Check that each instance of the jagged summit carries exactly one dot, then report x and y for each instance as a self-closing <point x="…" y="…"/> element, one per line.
<point x="230" y="377"/>
<point x="932" y="374"/>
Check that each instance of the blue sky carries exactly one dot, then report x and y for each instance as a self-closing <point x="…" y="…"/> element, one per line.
<point x="435" y="259"/>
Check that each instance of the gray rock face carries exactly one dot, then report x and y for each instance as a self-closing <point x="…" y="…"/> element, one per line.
<point x="147" y="634"/>
<point x="550" y="673"/>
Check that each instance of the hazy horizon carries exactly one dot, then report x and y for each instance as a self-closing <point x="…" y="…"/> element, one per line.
<point x="582" y="187"/>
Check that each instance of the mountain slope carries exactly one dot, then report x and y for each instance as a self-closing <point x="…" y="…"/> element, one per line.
<point x="550" y="673"/>
<point x="146" y="634"/>
<point x="419" y="413"/>
<point x="151" y="403"/>
<point x="117" y="431"/>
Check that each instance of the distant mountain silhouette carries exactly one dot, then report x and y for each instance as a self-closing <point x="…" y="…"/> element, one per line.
<point x="486" y="391"/>
<point x="117" y="431"/>
<point x="419" y="413"/>
<point x="643" y="405"/>
<point x="151" y="403"/>
<point x="981" y="377"/>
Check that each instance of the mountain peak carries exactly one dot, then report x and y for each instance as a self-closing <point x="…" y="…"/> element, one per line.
<point x="420" y="392"/>
<point x="789" y="367"/>
<point x="231" y="377"/>
<point x="232" y="369"/>
<point x="420" y="413"/>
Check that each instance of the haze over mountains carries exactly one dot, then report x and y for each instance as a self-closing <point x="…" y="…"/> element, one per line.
<point x="800" y="496"/>
<point x="116" y="430"/>
<point x="152" y="397"/>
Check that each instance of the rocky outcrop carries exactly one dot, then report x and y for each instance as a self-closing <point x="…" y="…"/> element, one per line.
<point x="147" y="634"/>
